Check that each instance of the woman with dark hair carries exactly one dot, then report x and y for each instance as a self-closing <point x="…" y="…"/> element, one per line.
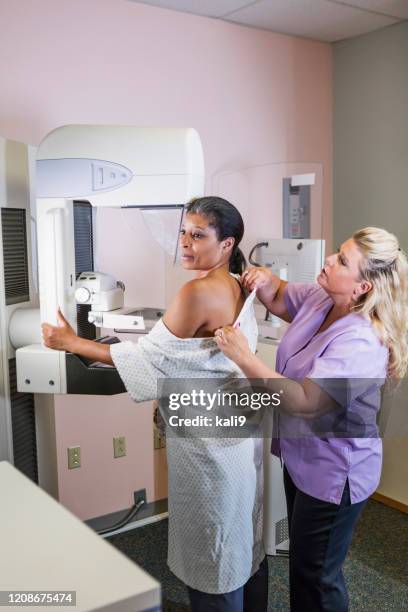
<point x="227" y="221"/>
<point x="215" y="484"/>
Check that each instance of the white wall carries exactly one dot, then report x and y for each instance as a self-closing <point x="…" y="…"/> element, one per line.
<point x="371" y="169"/>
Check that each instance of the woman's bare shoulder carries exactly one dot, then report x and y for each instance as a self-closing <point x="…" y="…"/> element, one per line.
<point x="207" y="287"/>
<point x="188" y="309"/>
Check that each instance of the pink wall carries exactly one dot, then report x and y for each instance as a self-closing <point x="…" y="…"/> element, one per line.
<point x="255" y="97"/>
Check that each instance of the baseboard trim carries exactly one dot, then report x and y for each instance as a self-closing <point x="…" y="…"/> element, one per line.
<point x="149" y="513"/>
<point x="389" y="501"/>
<point x="136" y="524"/>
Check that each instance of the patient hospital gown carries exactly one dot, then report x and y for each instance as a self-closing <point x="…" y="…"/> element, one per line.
<point x="215" y="484"/>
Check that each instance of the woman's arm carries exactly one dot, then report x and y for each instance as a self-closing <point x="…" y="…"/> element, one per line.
<point x="299" y="398"/>
<point x="270" y="290"/>
<point x="63" y="338"/>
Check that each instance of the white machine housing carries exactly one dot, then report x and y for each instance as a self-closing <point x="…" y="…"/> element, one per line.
<point x="297" y="260"/>
<point x="120" y="166"/>
<point x="110" y="166"/>
<point x="14" y="194"/>
<point x="101" y="291"/>
<point x="294" y="260"/>
<point x="30" y="446"/>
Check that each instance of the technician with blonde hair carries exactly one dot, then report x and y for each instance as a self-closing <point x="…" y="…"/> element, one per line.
<point x="351" y="325"/>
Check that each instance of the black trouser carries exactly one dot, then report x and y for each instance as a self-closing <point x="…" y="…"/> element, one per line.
<point x="320" y="534"/>
<point x="252" y="597"/>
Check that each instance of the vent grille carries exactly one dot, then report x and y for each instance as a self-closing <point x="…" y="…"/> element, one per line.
<point x="23" y="425"/>
<point x="85" y="328"/>
<point x="17" y="288"/>
<point x="281" y="531"/>
<point x="84" y="261"/>
<point x="83" y="229"/>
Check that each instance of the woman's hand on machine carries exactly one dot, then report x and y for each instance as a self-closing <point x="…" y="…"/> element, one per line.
<point x="232" y="342"/>
<point x="256" y="278"/>
<point x="61" y="337"/>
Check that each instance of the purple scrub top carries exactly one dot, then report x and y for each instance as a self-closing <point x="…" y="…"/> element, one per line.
<point x="349" y="349"/>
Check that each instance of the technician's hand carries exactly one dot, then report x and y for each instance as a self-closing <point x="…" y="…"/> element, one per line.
<point x="62" y="337"/>
<point x="233" y="344"/>
<point x="257" y="278"/>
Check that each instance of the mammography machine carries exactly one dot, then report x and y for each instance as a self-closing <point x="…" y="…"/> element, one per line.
<point x="48" y="197"/>
<point x="151" y="169"/>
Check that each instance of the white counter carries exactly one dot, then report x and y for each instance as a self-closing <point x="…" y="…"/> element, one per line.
<point x="45" y="548"/>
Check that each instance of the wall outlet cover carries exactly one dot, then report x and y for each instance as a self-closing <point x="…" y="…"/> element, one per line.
<point x="74" y="457"/>
<point x="119" y="447"/>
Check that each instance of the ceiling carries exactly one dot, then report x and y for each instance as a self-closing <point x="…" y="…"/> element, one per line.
<point x="324" y="20"/>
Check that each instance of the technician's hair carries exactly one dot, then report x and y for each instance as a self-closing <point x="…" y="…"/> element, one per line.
<point x="385" y="266"/>
<point x="227" y="222"/>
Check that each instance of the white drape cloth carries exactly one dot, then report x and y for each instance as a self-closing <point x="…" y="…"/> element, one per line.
<point x="215" y="485"/>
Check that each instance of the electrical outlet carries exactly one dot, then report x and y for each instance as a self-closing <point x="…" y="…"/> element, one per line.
<point x="119" y="446"/>
<point x="159" y="440"/>
<point x="74" y="457"/>
<point x="139" y="496"/>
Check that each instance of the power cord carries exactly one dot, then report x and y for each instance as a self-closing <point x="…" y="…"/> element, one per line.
<point x="126" y="519"/>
